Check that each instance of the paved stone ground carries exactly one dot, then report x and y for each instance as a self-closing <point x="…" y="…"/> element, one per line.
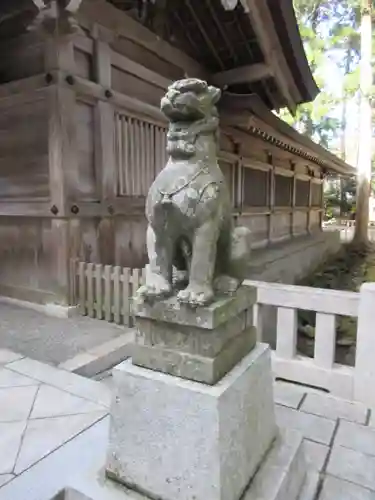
<point x="339" y="438"/>
<point x="41" y="409"/>
<point x="45" y="412"/>
<point x="48" y="339"/>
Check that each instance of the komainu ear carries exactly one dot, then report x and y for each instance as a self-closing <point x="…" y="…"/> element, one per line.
<point x="215" y="94"/>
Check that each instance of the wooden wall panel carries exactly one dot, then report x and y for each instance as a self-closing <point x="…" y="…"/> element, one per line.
<point x="85" y="187"/>
<point x="26" y="257"/>
<point x="280" y="226"/>
<point x="135" y="87"/>
<point x="131" y="241"/>
<point x="147" y="58"/>
<point x="21" y="58"/>
<point x="300" y="222"/>
<point x="83" y="64"/>
<point x="258" y="225"/>
<point x="314" y="219"/>
<point x="24" y="151"/>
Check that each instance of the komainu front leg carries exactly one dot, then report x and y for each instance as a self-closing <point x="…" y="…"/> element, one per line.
<point x="159" y="272"/>
<point x="199" y="291"/>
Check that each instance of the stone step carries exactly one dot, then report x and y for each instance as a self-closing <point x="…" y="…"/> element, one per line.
<point x="283" y="474"/>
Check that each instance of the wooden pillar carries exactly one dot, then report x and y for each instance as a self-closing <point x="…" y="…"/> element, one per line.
<point x="59" y="54"/>
<point x="308" y="221"/>
<point x="294" y="189"/>
<point x="104" y="147"/>
<point x="271" y="201"/>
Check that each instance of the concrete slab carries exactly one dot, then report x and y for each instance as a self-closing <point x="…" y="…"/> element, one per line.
<point x="52" y="402"/>
<point x="332" y="407"/>
<point x="16" y="403"/>
<point x="86" y="452"/>
<point x="312" y="427"/>
<point x="69" y="382"/>
<point x="288" y="394"/>
<point x="7" y="356"/>
<point x="43" y="436"/>
<point x="11" y="434"/>
<point x="356" y="437"/>
<point x="338" y="489"/>
<point x="101" y="357"/>
<point x="283" y="472"/>
<point x="50" y="339"/>
<point x="5" y="478"/>
<point x="8" y="378"/>
<point x="316" y="454"/>
<point x="352" y="466"/>
<point x="310" y="488"/>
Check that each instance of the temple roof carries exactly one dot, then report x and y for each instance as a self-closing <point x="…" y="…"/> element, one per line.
<point x="253" y="48"/>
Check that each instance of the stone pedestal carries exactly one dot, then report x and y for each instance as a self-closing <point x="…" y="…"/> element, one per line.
<point x="193" y="414"/>
<point x="179" y="440"/>
<point x="200" y="344"/>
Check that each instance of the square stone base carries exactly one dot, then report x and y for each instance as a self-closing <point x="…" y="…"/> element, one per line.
<point x="174" y="439"/>
<point x="201" y="344"/>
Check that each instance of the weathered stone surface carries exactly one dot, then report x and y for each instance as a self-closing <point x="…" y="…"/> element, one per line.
<point x="316" y="454"/>
<point x="283" y="471"/>
<point x="210" y="317"/>
<point x="357" y="437"/>
<point x="288" y="394"/>
<point x="178" y="439"/>
<point x="191" y="339"/>
<point x="188" y="205"/>
<point x="312" y="427"/>
<point x="192" y="366"/>
<point x="353" y="466"/>
<point x="331" y="407"/>
<point x="338" y="489"/>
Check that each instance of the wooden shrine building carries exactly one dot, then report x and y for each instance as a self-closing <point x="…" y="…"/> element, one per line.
<point x="82" y="137"/>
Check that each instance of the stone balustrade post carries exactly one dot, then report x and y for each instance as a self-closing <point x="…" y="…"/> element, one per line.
<point x="364" y="379"/>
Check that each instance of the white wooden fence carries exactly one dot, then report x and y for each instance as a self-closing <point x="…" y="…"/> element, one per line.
<point x="105" y="292"/>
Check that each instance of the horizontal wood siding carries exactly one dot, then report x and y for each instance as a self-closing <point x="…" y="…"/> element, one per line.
<point x="26" y="254"/>
<point x="24" y="151"/>
<point x="136" y="87"/>
<point x="21" y="57"/>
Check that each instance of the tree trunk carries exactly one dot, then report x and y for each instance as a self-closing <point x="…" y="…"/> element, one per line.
<point x="343" y="181"/>
<point x="365" y="129"/>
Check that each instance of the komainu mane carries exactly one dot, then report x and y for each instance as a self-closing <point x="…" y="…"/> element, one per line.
<point x="188" y="206"/>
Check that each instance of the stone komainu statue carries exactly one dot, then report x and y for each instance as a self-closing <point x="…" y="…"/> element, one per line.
<point x="188" y="206"/>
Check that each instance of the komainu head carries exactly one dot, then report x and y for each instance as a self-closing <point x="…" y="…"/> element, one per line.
<point x="190" y="100"/>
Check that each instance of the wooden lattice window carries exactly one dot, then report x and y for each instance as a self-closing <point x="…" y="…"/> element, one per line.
<point x="302" y="193"/>
<point x="316" y="194"/>
<point x="140" y="151"/>
<point x="283" y="190"/>
<point x="255" y="187"/>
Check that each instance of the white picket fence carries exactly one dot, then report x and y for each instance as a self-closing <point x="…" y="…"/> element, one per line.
<point x="105" y="292"/>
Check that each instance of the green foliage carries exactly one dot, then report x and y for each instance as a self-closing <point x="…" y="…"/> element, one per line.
<point x="329" y="29"/>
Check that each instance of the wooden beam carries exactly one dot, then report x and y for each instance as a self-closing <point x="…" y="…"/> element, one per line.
<point x="262" y="23"/>
<point x="122" y="25"/>
<point x="244" y="74"/>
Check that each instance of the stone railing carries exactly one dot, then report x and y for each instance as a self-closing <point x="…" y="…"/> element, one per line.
<point x="104" y="292"/>
<point x="353" y="383"/>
